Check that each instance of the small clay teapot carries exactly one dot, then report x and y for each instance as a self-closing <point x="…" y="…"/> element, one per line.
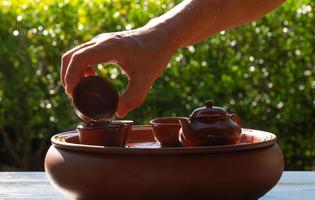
<point x="210" y="125"/>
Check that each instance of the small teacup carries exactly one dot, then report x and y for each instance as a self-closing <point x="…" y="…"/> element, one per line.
<point x="114" y="134"/>
<point x="165" y="130"/>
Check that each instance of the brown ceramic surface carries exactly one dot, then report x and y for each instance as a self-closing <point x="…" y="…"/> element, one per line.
<point x="210" y="125"/>
<point x="165" y="130"/>
<point x="114" y="134"/>
<point x="243" y="171"/>
<point x="95" y="99"/>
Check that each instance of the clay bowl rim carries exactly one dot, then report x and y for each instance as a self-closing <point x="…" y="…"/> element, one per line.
<point x="58" y="141"/>
<point x="156" y="123"/>
<point x="82" y="126"/>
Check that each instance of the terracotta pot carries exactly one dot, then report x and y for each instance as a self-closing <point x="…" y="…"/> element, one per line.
<point x="114" y="134"/>
<point x="165" y="130"/>
<point x="243" y="171"/>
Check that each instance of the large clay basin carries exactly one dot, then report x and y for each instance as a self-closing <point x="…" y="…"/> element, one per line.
<point x="145" y="171"/>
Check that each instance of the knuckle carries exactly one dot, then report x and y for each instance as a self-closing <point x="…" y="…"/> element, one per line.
<point x="77" y="56"/>
<point x="136" y="103"/>
<point x="64" y="57"/>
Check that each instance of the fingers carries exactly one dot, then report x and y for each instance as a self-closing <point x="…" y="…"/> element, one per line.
<point x="132" y="98"/>
<point x="89" y="71"/>
<point x="66" y="59"/>
<point x="81" y="59"/>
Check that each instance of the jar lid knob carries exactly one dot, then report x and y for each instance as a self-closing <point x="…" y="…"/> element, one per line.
<point x="208" y="103"/>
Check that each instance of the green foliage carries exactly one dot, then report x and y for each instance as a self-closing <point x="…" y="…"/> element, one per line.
<point x="263" y="71"/>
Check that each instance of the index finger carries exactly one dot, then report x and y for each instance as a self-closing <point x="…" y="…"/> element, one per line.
<point x="81" y="59"/>
<point x="66" y="59"/>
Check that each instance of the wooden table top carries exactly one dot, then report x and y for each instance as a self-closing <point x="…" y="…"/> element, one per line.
<point x="34" y="185"/>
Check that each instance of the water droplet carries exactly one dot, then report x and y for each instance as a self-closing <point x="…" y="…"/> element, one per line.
<point x="19" y="18"/>
<point x="80" y="27"/>
<point x="128" y="27"/>
<point x="298" y="52"/>
<point x="52" y="119"/>
<point x="278" y="116"/>
<point x="42" y="105"/>
<point x="16" y="33"/>
<point x="301" y="87"/>
<point x="52" y="91"/>
<point x="48" y="106"/>
<point x="307" y="72"/>
<point x="280" y="105"/>
<point x="191" y="49"/>
<point x="6" y="3"/>
<point x="203" y="63"/>
<point x="179" y="58"/>
<point x="233" y="43"/>
<point x="252" y="68"/>
<point x="114" y="73"/>
<point x="116" y="14"/>
<point x="257" y="30"/>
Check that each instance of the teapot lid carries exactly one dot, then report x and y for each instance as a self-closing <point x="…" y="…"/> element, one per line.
<point x="209" y="111"/>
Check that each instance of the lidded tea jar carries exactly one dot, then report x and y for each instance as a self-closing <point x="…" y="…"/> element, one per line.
<point x="95" y="101"/>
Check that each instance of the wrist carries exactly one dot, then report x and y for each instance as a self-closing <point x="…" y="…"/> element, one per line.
<point x="162" y="34"/>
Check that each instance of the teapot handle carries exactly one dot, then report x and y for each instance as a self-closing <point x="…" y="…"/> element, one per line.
<point x="236" y="119"/>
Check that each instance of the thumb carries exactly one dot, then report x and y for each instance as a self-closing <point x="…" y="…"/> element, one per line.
<point x="132" y="98"/>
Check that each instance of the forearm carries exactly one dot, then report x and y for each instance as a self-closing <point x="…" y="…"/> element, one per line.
<point x="192" y="21"/>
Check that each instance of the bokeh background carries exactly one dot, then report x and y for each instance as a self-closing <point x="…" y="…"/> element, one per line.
<point x="263" y="71"/>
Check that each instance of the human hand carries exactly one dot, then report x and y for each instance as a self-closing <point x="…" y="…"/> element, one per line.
<point x="142" y="53"/>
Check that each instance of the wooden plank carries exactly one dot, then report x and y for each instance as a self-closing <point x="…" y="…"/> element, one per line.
<point x="27" y="185"/>
<point x="34" y="185"/>
<point x="293" y="186"/>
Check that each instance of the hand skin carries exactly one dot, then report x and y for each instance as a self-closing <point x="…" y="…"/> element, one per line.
<point x="143" y="53"/>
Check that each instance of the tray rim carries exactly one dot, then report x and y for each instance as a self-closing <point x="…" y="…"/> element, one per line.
<point x="165" y="150"/>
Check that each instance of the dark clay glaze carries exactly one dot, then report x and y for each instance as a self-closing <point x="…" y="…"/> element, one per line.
<point x="242" y="171"/>
<point x="95" y="99"/>
<point x="166" y="130"/>
<point x="210" y="125"/>
<point x="113" y="134"/>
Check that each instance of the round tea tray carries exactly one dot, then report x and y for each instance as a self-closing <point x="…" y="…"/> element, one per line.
<point x="144" y="170"/>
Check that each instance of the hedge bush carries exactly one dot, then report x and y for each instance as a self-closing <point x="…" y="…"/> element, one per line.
<point x="263" y="71"/>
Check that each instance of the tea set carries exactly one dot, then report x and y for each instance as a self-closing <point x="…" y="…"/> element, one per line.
<point x="95" y="102"/>
<point x="204" y="156"/>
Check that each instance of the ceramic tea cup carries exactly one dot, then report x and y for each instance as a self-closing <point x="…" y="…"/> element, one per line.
<point x="114" y="134"/>
<point x="95" y="99"/>
<point x="165" y="130"/>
